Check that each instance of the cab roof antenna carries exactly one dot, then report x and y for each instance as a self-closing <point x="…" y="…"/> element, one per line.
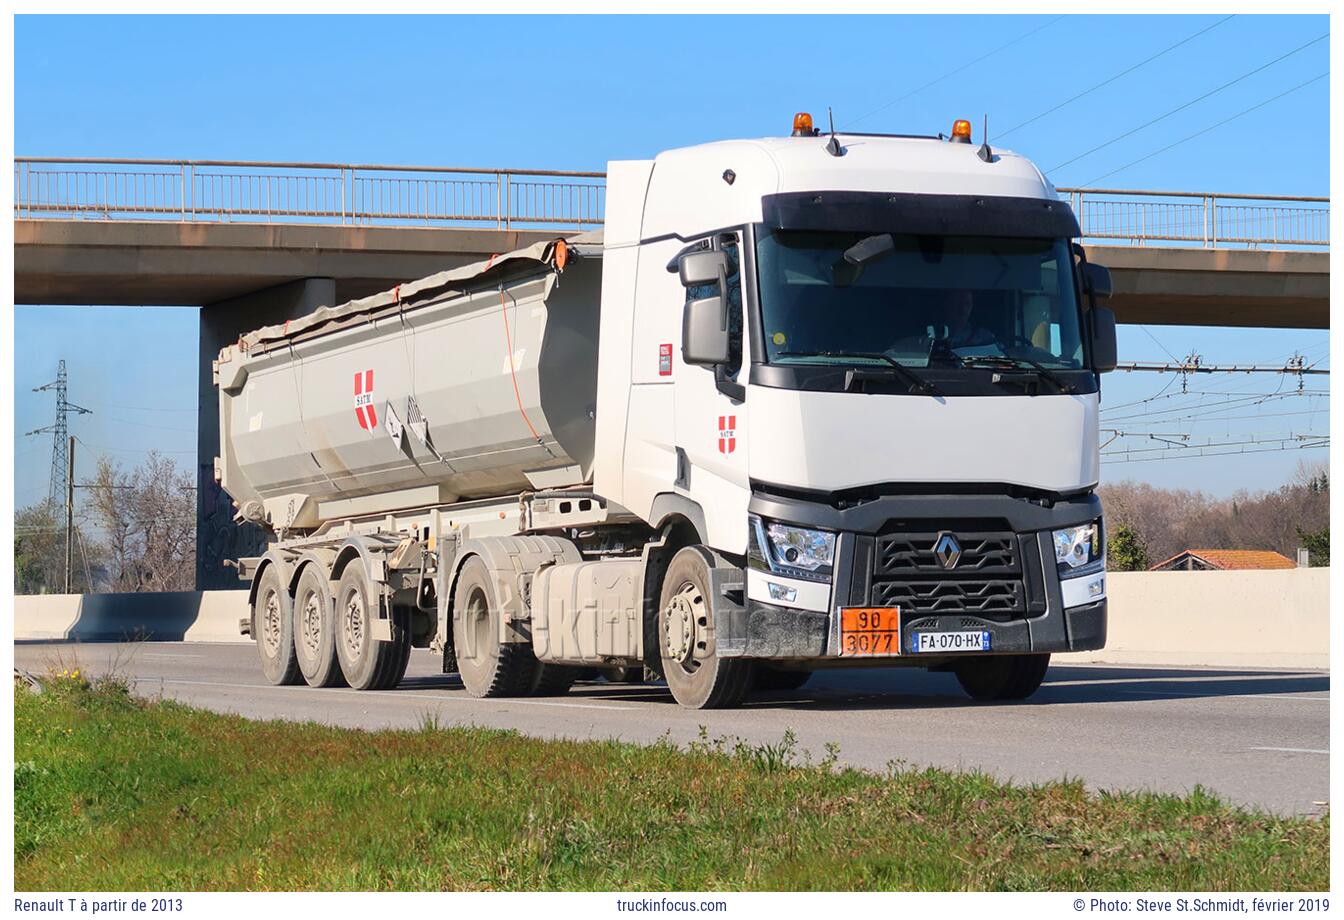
<point x="985" y="153"/>
<point x="833" y="145"/>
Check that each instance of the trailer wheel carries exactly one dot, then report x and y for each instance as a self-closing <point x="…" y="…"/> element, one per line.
<point x="315" y="630"/>
<point x="697" y="677"/>
<point x="488" y="666"/>
<point x="367" y="663"/>
<point x="1002" y="677"/>
<point x="274" y="629"/>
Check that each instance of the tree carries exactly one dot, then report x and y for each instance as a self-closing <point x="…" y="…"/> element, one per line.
<point x="1317" y="545"/>
<point x="1125" y="551"/>
<point x="39" y="552"/>
<point x="148" y="517"/>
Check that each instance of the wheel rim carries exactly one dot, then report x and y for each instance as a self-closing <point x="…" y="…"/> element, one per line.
<point x="353" y="622"/>
<point x="311" y="623"/>
<point x="686" y="627"/>
<point x="477" y="623"/>
<point x="270" y="623"/>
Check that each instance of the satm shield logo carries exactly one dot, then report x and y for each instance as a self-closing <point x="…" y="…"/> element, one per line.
<point x="727" y="434"/>
<point x="364" y="411"/>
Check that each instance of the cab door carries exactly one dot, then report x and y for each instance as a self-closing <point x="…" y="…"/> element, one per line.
<point x="711" y="415"/>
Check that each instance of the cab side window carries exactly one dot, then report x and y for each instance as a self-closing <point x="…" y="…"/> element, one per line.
<point x="727" y="243"/>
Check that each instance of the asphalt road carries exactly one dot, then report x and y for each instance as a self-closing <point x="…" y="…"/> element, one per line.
<point x="1258" y="738"/>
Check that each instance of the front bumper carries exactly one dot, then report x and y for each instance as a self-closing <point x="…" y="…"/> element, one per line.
<point x="1009" y="586"/>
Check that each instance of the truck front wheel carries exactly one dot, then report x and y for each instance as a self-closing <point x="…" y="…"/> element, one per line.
<point x="697" y="677"/>
<point x="1002" y="677"/>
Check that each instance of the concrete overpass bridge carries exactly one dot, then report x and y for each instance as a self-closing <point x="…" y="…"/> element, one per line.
<point x="257" y="243"/>
<point x="149" y="232"/>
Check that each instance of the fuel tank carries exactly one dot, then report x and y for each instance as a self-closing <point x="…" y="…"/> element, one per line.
<point x="475" y="382"/>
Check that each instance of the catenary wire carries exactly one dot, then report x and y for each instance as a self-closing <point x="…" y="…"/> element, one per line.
<point x="951" y="73"/>
<point x="1203" y="131"/>
<point x="1124" y="73"/>
<point x="1185" y="105"/>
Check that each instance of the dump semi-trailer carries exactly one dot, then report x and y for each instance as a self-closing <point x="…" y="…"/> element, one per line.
<point x="805" y="402"/>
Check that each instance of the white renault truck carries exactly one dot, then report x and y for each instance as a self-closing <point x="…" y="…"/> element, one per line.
<point x="811" y="401"/>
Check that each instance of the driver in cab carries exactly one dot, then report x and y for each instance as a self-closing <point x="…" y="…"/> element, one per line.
<point x="961" y="330"/>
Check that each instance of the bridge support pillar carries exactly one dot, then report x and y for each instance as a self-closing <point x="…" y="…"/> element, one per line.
<point x="217" y="536"/>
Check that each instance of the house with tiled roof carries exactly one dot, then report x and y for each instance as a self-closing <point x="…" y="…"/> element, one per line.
<point x="1204" y="560"/>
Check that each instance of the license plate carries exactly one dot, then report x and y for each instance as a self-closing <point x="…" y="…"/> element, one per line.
<point x="867" y="631"/>
<point x="962" y="641"/>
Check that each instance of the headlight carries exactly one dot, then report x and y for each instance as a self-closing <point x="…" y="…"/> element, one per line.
<point x="795" y="551"/>
<point x="1079" y="550"/>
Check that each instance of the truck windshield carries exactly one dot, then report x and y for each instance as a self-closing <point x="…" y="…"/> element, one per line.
<point x="919" y="300"/>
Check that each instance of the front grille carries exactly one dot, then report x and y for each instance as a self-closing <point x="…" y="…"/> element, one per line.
<point x="994" y="598"/>
<point x="913" y="554"/>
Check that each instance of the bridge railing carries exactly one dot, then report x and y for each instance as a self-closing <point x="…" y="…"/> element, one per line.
<point x="226" y="190"/>
<point x="1144" y="218"/>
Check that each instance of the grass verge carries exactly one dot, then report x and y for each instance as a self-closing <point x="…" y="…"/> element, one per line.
<point x="112" y="792"/>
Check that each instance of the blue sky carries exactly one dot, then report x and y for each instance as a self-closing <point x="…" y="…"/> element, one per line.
<point x="571" y="93"/>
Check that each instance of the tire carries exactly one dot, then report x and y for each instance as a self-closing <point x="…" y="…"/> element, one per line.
<point x="1002" y="677"/>
<point x="368" y="664"/>
<point x="315" y="630"/>
<point x="768" y="678"/>
<point x="273" y="627"/>
<point x="553" y="679"/>
<point x="488" y="667"/>
<point x="697" y="677"/>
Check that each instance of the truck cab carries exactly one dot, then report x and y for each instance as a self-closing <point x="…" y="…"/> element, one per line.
<point x="866" y="370"/>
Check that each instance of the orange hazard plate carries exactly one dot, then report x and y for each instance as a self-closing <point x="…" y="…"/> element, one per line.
<point x="870" y="631"/>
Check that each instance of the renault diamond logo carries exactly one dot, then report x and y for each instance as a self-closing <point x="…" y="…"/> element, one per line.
<point x="948" y="550"/>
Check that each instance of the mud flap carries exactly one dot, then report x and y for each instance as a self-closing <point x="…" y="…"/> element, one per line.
<point x="729" y="588"/>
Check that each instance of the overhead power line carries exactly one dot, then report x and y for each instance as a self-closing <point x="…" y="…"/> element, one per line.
<point x="136" y="450"/>
<point x="1210" y="406"/>
<point x="1203" y="131"/>
<point x="1185" y="105"/>
<point x="952" y="73"/>
<point x="1175" y="453"/>
<point x="1109" y="80"/>
<point x="1181" y="367"/>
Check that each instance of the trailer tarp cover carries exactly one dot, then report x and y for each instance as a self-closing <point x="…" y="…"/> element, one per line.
<point x="456" y="279"/>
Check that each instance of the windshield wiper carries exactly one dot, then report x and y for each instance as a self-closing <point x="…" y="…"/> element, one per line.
<point x="1059" y="382"/>
<point x="915" y="381"/>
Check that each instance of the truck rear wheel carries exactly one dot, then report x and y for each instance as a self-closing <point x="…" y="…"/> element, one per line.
<point x="697" y="677"/>
<point x="1002" y="677"/>
<point x="489" y="667"/>
<point x="273" y="626"/>
<point x="368" y="663"/>
<point x="554" y="679"/>
<point x="315" y="630"/>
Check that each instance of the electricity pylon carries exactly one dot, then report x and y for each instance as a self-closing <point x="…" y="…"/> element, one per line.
<point x="60" y="431"/>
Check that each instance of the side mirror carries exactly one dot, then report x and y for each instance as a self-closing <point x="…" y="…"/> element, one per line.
<point x="704" y="331"/>
<point x="704" y="267"/>
<point x="1096" y="280"/>
<point x="1102" y="331"/>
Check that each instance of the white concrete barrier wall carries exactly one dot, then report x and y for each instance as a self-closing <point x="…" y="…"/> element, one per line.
<point x="1266" y="619"/>
<point x="1276" y="618"/>
<point x="191" y="616"/>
